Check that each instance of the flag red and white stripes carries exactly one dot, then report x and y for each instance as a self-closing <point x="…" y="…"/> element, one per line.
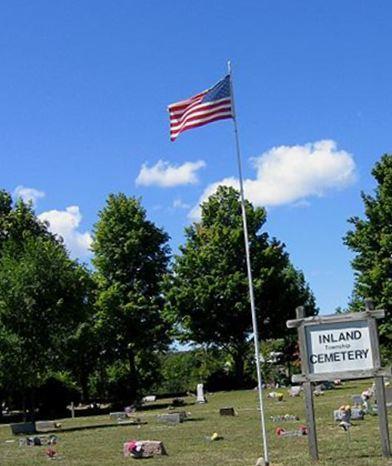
<point x="203" y="108"/>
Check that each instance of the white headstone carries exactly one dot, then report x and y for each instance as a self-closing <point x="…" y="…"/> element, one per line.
<point x="200" y="393"/>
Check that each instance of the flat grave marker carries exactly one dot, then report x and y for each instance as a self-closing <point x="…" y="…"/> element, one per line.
<point x="227" y="411"/>
<point x="23" y="428"/>
<point x="171" y="418"/>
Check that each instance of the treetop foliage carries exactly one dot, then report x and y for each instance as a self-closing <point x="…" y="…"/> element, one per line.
<point x="371" y="241"/>
<point x="208" y="294"/>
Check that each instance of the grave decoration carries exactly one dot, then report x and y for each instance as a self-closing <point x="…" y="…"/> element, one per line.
<point x="143" y="448"/>
<point x="130" y="409"/>
<point x="295" y="390"/>
<point x="278" y="396"/>
<point x="50" y="453"/>
<point x="286" y="417"/>
<point x="347" y="413"/>
<point x="214" y="437"/>
<point x="344" y="347"/>
<point x="318" y="390"/>
<point x="301" y="431"/>
<point x="38" y="440"/>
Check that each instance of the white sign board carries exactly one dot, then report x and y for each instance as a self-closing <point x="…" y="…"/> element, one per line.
<point x="339" y="347"/>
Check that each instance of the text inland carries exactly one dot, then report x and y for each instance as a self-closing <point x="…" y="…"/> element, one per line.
<point x="342" y="336"/>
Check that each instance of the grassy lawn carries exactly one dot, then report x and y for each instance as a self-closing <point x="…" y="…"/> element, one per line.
<point x="186" y="443"/>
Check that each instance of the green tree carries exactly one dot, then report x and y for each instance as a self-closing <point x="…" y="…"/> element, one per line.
<point x="42" y="299"/>
<point x="18" y="222"/>
<point x="83" y="354"/>
<point x="371" y="241"/>
<point x="208" y="291"/>
<point x="131" y="257"/>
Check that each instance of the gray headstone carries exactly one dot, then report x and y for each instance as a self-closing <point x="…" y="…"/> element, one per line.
<point x="23" y="428"/>
<point x="44" y="426"/>
<point x="357" y="414"/>
<point x="388" y="396"/>
<point x="357" y="400"/>
<point x="171" y="418"/>
<point x="118" y="416"/>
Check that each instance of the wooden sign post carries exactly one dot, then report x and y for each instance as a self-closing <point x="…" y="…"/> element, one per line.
<point x="343" y="346"/>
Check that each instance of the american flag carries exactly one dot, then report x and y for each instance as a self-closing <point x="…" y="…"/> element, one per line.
<point x="207" y="106"/>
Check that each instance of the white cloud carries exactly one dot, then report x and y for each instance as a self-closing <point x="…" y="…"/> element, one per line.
<point x="179" y="204"/>
<point x="166" y="176"/>
<point x="65" y="223"/>
<point x="289" y="174"/>
<point x="28" y="194"/>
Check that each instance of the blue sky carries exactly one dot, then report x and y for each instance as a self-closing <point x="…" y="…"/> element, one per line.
<point x="84" y="87"/>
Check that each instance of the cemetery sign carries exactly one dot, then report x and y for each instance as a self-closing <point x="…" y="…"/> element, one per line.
<point x="339" y="347"/>
<point x="342" y="346"/>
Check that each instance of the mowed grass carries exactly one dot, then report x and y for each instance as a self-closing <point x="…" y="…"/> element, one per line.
<point x="186" y="443"/>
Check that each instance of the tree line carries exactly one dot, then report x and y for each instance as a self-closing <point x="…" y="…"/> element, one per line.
<point x="107" y="331"/>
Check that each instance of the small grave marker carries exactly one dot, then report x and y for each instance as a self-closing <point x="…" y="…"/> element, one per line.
<point x="388" y="396"/>
<point x="357" y="400"/>
<point x="118" y="416"/>
<point x="46" y="426"/>
<point x="227" y="411"/>
<point x="171" y="418"/>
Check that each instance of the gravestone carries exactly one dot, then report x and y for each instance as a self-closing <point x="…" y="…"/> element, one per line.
<point x="171" y="418"/>
<point x="388" y="396"/>
<point x="47" y="426"/>
<point x="357" y="400"/>
<point x="23" y="428"/>
<point x="357" y="414"/>
<point x="149" y="398"/>
<point x="118" y="416"/>
<point x="200" y="393"/>
<point x="145" y="448"/>
<point x="227" y="411"/>
<point x="295" y="390"/>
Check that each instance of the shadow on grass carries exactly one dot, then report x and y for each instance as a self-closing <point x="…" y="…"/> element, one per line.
<point x="168" y="405"/>
<point x="89" y="427"/>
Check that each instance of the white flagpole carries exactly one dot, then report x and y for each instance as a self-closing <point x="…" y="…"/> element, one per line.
<point x="250" y="280"/>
